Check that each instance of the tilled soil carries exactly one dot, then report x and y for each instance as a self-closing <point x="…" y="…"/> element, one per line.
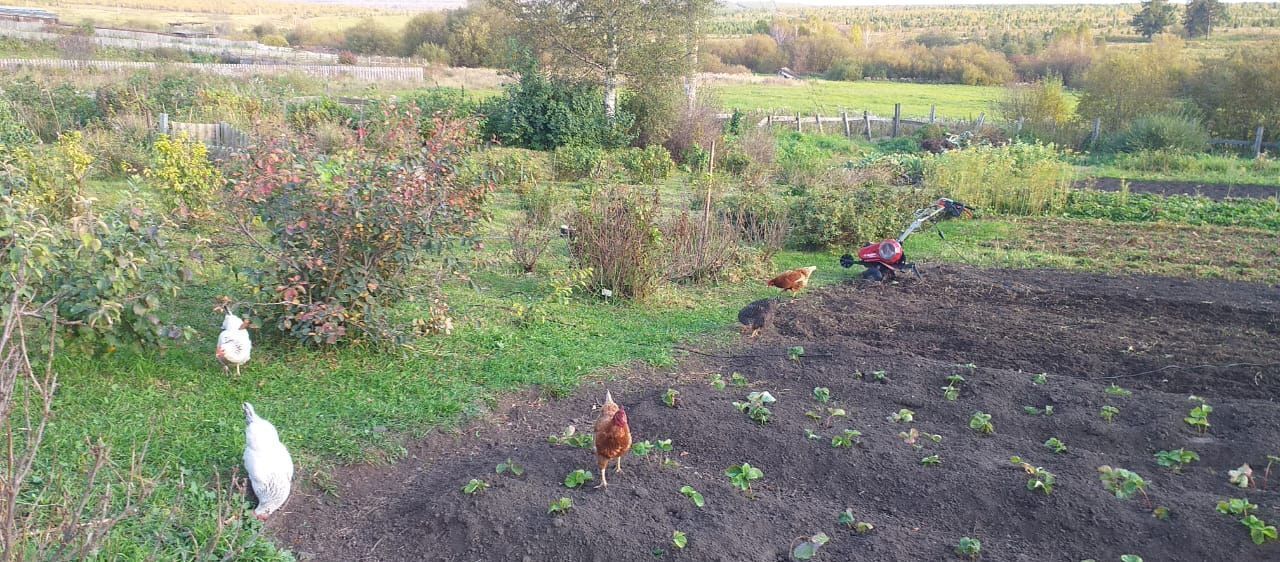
<point x="1217" y="191"/>
<point x="1160" y="338"/>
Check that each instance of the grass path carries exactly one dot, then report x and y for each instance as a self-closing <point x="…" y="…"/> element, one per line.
<point x="829" y="98"/>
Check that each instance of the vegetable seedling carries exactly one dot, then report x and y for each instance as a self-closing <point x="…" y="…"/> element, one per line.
<point x="1055" y="445"/>
<point x="952" y="391"/>
<point x="1239" y="507"/>
<point x="846" y="439"/>
<point x="642" y="448"/>
<point x="756" y="406"/>
<point x="981" y="423"/>
<point x="1160" y="512"/>
<point x="669" y="397"/>
<point x="862" y="527"/>
<point x="903" y="416"/>
<point x="1108" y="413"/>
<point x="571" y="438"/>
<point x="475" y="486"/>
<point x="1259" y="530"/>
<point x="809" y="548"/>
<point x="1115" y="390"/>
<point x="795" y="353"/>
<point x="1040" y="479"/>
<point x="1130" y="558"/>
<point x="809" y="434"/>
<point x="1176" y="459"/>
<point x="1040" y="379"/>
<point x="738" y="379"/>
<point x="693" y="495"/>
<point x="832" y="414"/>
<point x="577" y="478"/>
<point x="931" y="460"/>
<point x="665" y="445"/>
<point x="679" y="539"/>
<point x="510" y="466"/>
<point x="717" y="381"/>
<point x="909" y="437"/>
<point x="1241" y="477"/>
<point x="562" y="505"/>
<point x="969" y="548"/>
<point x="1034" y="411"/>
<point x="1123" y="483"/>
<point x="1199" y="417"/>
<point x="880" y="376"/>
<point x="846" y="518"/>
<point x="741" y="476"/>
<point x="822" y="394"/>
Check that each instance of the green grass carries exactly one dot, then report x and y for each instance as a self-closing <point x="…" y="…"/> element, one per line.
<point x="829" y="98"/>
<point x="1234" y="176"/>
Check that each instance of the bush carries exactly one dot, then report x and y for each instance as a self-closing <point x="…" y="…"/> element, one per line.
<point x="577" y="162"/>
<point x="694" y="133"/>
<point x="13" y="132"/>
<point x="891" y="168"/>
<point x="1165" y="132"/>
<point x="1019" y="179"/>
<point x="848" y="70"/>
<point x="305" y="116"/>
<point x="843" y="219"/>
<point x="541" y="113"/>
<point x="274" y="40"/>
<point x="50" y="180"/>
<point x="514" y="166"/>
<point x="699" y="250"/>
<point x="347" y="230"/>
<point x="370" y="38"/>
<point x="657" y="107"/>
<point x="616" y="236"/>
<point x="760" y="219"/>
<point x="182" y="174"/>
<point x="122" y="148"/>
<point x="1040" y="106"/>
<point x="900" y="145"/>
<point x="431" y="54"/>
<point x="646" y="165"/>
<point x="347" y="58"/>
<point x="108" y="273"/>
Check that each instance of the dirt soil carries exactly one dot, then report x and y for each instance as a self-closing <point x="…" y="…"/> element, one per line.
<point x="1156" y="334"/>
<point x="1218" y="191"/>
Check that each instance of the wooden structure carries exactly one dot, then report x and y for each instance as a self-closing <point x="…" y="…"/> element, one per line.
<point x="27" y="15"/>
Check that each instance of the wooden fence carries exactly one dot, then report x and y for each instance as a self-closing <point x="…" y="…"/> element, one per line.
<point x="222" y="139"/>
<point x="142" y="40"/>
<point x="363" y="73"/>
<point x="873" y="127"/>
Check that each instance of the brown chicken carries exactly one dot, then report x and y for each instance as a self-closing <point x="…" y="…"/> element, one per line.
<point x="793" y="280"/>
<point x="613" y="436"/>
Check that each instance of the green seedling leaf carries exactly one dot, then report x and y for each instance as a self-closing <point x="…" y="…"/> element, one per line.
<point x="693" y="496"/>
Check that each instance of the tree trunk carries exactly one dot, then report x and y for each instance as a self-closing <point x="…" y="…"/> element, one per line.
<point x="691" y="78"/>
<point x="611" y="77"/>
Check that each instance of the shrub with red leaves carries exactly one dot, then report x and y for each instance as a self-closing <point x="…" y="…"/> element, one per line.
<point x="341" y="235"/>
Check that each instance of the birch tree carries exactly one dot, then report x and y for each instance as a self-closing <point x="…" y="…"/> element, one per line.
<point x="613" y="41"/>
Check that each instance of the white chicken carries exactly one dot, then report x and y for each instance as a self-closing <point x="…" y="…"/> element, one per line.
<point x="268" y="463"/>
<point x="233" y="343"/>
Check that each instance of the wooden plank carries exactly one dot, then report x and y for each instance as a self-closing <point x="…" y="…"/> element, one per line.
<point x="897" y="119"/>
<point x="844" y="116"/>
<point x="1257" y="142"/>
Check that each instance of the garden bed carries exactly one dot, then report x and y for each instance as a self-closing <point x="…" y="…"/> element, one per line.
<point x="1011" y="325"/>
<point x="1215" y="191"/>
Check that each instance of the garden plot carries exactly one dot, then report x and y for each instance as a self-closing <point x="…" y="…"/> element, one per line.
<point x="909" y="366"/>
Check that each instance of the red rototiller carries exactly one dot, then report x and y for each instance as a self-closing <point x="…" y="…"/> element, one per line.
<point x="885" y="259"/>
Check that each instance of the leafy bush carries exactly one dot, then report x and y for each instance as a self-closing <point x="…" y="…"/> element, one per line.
<point x="183" y="175"/>
<point x="307" y="115"/>
<point x="432" y="54"/>
<point x="836" y="218"/>
<point x="513" y="166"/>
<point x="108" y="274"/>
<point x="901" y="145"/>
<point x="542" y="113"/>
<point x="699" y="247"/>
<point x="13" y="132"/>
<point x="893" y="168"/>
<point x="646" y="165"/>
<point x="577" y="162"/>
<point x="346" y="230"/>
<point x="1019" y="178"/>
<point x="1165" y="132"/>
<point x="347" y="58"/>
<point x="848" y="70"/>
<point x="50" y="180"/>
<point x="617" y="237"/>
<point x="122" y="147"/>
<point x="761" y="221"/>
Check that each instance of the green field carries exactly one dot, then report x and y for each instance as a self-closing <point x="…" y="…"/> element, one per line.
<point x="828" y="97"/>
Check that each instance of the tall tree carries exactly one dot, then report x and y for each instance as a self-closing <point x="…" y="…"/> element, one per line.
<point x="610" y="40"/>
<point x="1153" y="18"/>
<point x="1201" y="16"/>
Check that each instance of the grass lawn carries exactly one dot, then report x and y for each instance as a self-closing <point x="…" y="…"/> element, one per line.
<point x="829" y="98"/>
<point x="1234" y="175"/>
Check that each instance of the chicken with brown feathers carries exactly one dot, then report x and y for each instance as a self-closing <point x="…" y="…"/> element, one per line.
<point x="612" y="437"/>
<point x="793" y="280"/>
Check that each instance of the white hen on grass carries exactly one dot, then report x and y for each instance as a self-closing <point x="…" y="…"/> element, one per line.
<point x="233" y="343"/>
<point x="268" y="463"/>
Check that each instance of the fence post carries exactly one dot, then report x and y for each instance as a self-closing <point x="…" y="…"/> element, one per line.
<point x="1257" y="142"/>
<point x="982" y="118"/>
<point x="933" y="113"/>
<point x="1097" y="130"/>
<point x="797" y="122"/>
<point x="897" y="118"/>
<point x="817" y="119"/>
<point x="163" y="124"/>
<point x="768" y="120"/>
<point x="844" y="116"/>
